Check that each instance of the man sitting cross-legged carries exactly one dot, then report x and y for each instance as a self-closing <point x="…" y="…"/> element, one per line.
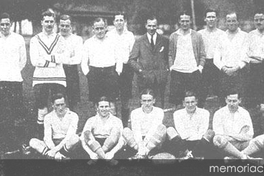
<point x="147" y="132"/>
<point x="233" y="127"/>
<point x="101" y="136"/>
<point x="191" y="135"/>
<point x="60" y="127"/>
<point x="256" y="145"/>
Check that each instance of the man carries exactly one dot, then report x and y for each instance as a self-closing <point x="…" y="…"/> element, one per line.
<point x="60" y="126"/>
<point x="186" y="60"/>
<point x="191" y="134"/>
<point x="101" y="64"/>
<point x="147" y="133"/>
<point x="74" y="45"/>
<point x="233" y="127"/>
<point x="124" y="43"/>
<point x="255" y="52"/>
<point x="47" y="53"/>
<point x="12" y="60"/>
<point x="149" y="59"/>
<point x="256" y="145"/>
<point x="230" y="58"/>
<point x="101" y="135"/>
<point x="211" y="37"/>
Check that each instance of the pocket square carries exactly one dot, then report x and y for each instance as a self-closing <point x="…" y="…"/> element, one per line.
<point x="161" y="49"/>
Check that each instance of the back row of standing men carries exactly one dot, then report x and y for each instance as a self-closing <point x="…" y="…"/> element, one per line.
<point x="193" y="58"/>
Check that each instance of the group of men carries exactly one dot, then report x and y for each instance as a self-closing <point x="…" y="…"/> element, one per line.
<point x="195" y="61"/>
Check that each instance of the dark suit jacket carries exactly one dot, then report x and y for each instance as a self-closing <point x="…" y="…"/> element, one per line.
<point x="154" y="63"/>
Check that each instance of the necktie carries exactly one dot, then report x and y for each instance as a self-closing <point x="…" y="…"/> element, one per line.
<point x="152" y="42"/>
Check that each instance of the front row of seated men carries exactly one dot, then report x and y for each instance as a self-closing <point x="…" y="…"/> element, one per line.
<point x="103" y="136"/>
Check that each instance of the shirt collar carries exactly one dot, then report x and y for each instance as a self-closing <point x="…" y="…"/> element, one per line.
<point x="154" y="37"/>
<point x="180" y="32"/>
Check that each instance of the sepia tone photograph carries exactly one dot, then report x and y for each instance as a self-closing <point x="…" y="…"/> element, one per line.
<point x="131" y="87"/>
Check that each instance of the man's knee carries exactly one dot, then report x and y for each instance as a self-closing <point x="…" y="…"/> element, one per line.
<point x="34" y="143"/>
<point x="73" y="142"/>
<point x="129" y="137"/>
<point x="259" y="141"/>
<point x="220" y="141"/>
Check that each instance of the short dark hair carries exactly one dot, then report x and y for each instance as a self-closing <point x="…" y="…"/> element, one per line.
<point x="49" y="13"/>
<point x="232" y="12"/>
<point x="57" y="96"/>
<point x="103" y="98"/>
<point x="190" y="94"/>
<point x="100" y="19"/>
<point x="185" y="12"/>
<point x="259" y="10"/>
<point x="121" y="13"/>
<point x="232" y="92"/>
<point x="210" y="10"/>
<point x="147" y="91"/>
<point x="65" y="17"/>
<point x="4" y="16"/>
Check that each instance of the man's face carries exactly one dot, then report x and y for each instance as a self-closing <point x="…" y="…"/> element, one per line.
<point x="48" y="23"/>
<point x="60" y="107"/>
<point x="232" y="102"/>
<point x="65" y="27"/>
<point x="151" y="26"/>
<point x="185" y="22"/>
<point x="210" y="19"/>
<point x="119" y="22"/>
<point x="190" y="103"/>
<point x="147" y="102"/>
<point x="5" y="25"/>
<point x="232" y="22"/>
<point x="103" y="108"/>
<point x="99" y="29"/>
<point x="259" y="21"/>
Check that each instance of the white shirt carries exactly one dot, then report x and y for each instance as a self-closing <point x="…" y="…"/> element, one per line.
<point x="144" y="124"/>
<point x="256" y="45"/>
<point x="154" y="38"/>
<point x="13" y="57"/>
<point x="74" y="44"/>
<point x="59" y="128"/>
<point x="232" y="53"/>
<point x="227" y="123"/>
<point x="191" y="127"/>
<point x="124" y="43"/>
<point x="211" y="40"/>
<point x="100" y="53"/>
<point x="102" y="128"/>
<point x="184" y="60"/>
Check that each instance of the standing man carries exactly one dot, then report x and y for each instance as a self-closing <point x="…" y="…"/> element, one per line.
<point x="12" y="60"/>
<point x="124" y="43"/>
<point x="149" y="59"/>
<point x="211" y="37"/>
<point x="101" y="64"/>
<point x="191" y="133"/>
<point x="233" y="127"/>
<point x="255" y="91"/>
<point x="74" y="45"/>
<point x="47" y="53"/>
<point x="101" y="136"/>
<point x="230" y="58"/>
<point x="186" y="60"/>
<point x="60" y="126"/>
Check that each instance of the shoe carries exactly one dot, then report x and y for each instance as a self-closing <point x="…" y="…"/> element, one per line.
<point x="186" y="155"/>
<point x="138" y="157"/>
<point x="26" y="149"/>
<point x="60" y="157"/>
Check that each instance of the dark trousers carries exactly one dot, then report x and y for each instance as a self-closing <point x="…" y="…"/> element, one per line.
<point x="255" y="87"/>
<point x="210" y="79"/>
<point x="12" y="111"/>
<point x="102" y="82"/>
<point x="73" y="86"/>
<point x="125" y="82"/>
<point x="42" y="92"/>
<point x="182" y="82"/>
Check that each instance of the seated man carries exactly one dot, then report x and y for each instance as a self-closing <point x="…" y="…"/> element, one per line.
<point x="255" y="146"/>
<point x="102" y="133"/>
<point x="60" y="126"/>
<point x="147" y="132"/>
<point x="233" y="127"/>
<point x="192" y="136"/>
